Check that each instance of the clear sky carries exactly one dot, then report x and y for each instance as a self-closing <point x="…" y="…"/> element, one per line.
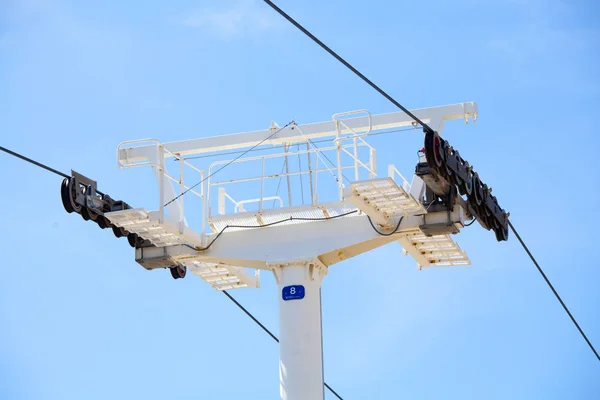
<point x="79" y="319"/>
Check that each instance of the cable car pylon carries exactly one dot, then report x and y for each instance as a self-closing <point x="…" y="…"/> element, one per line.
<point x="241" y="226"/>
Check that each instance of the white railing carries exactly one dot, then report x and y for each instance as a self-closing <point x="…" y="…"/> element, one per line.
<point x="239" y="205"/>
<point x="341" y="129"/>
<point x="346" y="149"/>
<point x="320" y="166"/>
<point x="393" y="171"/>
<point x="161" y="173"/>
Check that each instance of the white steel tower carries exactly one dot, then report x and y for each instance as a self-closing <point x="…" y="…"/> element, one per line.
<point x="228" y="230"/>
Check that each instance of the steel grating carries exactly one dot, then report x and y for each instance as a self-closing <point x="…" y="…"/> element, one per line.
<point x="139" y="221"/>
<point x="382" y="199"/>
<point x="436" y="250"/>
<point x="222" y="276"/>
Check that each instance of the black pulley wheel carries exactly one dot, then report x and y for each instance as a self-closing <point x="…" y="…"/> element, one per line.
<point x="477" y="190"/>
<point x="498" y="233"/>
<point x="118" y="231"/>
<point x="456" y="160"/>
<point x="93" y="215"/>
<point x="178" y="272"/>
<point x="468" y="183"/>
<point x="501" y="233"/>
<point x="484" y="204"/>
<point x="85" y="214"/>
<point x="438" y="150"/>
<point x="132" y="239"/>
<point x="434" y="151"/>
<point x="65" y="196"/>
<point x="108" y="202"/>
<point x="71" y="194"/>
<point x="447" y="155"/>
<point x="504" y="231"/>
<point x="102" y="222"/>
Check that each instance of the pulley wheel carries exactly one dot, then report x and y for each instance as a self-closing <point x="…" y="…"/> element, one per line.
<point x="178" y="272"/>
<point x="102" y="222"/>
<point x="458" y="161"/>
<point x="73" y="195"/>
<point x="447" y="155"/>
<point x="65" y="195"/>
<point x="501" y="233"/>
<point x="477" y="189"/>
<point x="468" y="183"/>
<point x="118" y="231"/>
<point x="85" y="214"/>
<point x="132" y="239"/>
<point x="438" y="150"/>
<point x="432" y="154"/>
<point x="484" y="205"/>
<point x="93" y="215"/>
<point x="504" y="231"/>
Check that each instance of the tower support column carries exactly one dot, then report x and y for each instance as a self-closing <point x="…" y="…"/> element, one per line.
<point x="300" y="334"/>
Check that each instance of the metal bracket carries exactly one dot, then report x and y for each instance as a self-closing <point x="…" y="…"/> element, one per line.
<point x="89" y="197"/>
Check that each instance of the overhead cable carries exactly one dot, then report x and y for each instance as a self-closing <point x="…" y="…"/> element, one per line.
<point x="562" y="303"/>
<point x="347" y="64"/>
<point x="230" y="162"/>
<point x="427" y="129"/>
<point x="264" y="328"/>
<point x="38" y="164"/>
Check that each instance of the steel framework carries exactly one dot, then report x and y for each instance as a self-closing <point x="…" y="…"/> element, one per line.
<point x="233" y="238"/>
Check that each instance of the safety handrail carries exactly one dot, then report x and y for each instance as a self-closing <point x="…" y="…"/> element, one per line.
<point x="335" y="117"/>
<point x="393" y="171"/>
<point x="239" y="207"/>
<point x="159" y="164"/>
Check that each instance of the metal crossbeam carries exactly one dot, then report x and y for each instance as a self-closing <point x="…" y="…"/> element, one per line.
<point x="434" y="116"/>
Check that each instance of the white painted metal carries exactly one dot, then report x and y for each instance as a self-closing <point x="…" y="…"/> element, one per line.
<point x="297" y="242"/>
<point x="254" y="248"/>
<point x="350" y="149"/>
<point x="152" y="152"/>
<point x="312" y="131"/>
<point x="417" y="188"/>
<point x="342" y="127"/>
<point x="156" y="160"/>
<point x="294" y="215"/>
<point x="300" y="331"/>
<point x="436" y="250"/>
<point x="148" y="226"/>
<point x="222" y="276"/>
<point x="340" y="167"/>
<point x="382" y="199"/>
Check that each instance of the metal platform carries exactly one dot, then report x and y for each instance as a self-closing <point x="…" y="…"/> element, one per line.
<point x="383" y="199"/>
<point x="269" y="188"/>
<point x="223" y="276"/>
<point x="147" y="225"/>
<point x="437" y="250"/>
<point x="289" y="215"/>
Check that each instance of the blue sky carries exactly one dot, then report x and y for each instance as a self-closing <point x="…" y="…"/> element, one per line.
<point x="80" y="319"/>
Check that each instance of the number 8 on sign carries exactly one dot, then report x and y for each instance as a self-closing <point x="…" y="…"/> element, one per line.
<point x="294" y="292"/>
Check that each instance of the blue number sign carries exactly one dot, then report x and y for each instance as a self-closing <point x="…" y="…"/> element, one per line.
<point x="294" y="292"/>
